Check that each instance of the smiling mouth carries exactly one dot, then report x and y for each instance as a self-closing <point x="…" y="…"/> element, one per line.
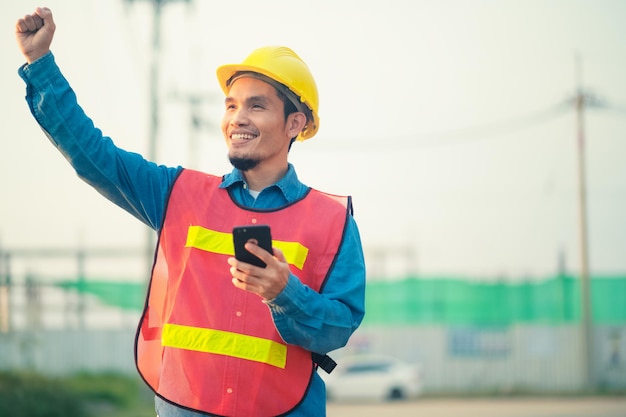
<point x="242" y="136"/>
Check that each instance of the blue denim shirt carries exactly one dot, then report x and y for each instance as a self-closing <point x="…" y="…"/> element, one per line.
<point x="319" y="322"/>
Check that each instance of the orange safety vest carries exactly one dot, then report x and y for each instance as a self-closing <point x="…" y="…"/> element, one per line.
<point x="204" y="344"/>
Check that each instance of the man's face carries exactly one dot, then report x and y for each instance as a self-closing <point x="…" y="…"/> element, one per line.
<point x="254" y="125"/>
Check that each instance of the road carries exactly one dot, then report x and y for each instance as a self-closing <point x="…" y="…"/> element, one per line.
<point x="614" y="406"/>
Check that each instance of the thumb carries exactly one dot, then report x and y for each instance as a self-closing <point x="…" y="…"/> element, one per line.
<point x="46" y="16"/>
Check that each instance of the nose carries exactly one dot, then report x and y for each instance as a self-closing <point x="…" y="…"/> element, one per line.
<point x="239" y="117"/>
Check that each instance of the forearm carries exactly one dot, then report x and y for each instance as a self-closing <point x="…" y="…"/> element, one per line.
<point x="322" y="322"/>
<point x="125" y="178"/>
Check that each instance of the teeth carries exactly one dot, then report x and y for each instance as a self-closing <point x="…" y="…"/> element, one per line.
<point x="242" y="136"/>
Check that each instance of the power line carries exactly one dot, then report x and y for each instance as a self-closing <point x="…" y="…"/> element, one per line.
<point x="481" y="132"/>
<point x="463" y="135"/>
<point x="495" y="129"/>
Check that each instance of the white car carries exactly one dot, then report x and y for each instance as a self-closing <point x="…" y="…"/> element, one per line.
<point x="372" y="377"/>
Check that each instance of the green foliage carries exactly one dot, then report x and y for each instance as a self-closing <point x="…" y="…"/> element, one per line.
<point x="115" y="389"/>
<point x="26" y="394"/>
<point x="31" y="395"/>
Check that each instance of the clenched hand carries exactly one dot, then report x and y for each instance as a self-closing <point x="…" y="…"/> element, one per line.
<point x="34" y="33"/>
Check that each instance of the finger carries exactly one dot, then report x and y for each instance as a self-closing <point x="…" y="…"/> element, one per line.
<point x="235" y="272"/>
<point x="20" y="26"/>
<point x="259" y="252"/>
<point x="45" y="15"/>
<point x="239" y="284"/>
<point x="237" y="265"/>
<point x="27" y="24"/>
<point x="30" y="23"/>
<point x="278" y="254"/>
<point x="38" y="21"/>
<point x="242" y="273"/>
<point x="246" y="286"/>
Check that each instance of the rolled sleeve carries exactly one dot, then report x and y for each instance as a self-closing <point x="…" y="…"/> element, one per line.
<point x="322" y="322"/>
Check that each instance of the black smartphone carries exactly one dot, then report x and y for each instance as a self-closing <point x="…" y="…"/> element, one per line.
<point x="260" y="233"/>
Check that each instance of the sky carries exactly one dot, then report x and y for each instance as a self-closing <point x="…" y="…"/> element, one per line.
<point x="450" y="122"/>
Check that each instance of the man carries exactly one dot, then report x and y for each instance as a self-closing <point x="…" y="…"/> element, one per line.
<point x="220" y="336"/>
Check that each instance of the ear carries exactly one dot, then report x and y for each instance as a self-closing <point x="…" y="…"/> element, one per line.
<point x="295" y="123"/>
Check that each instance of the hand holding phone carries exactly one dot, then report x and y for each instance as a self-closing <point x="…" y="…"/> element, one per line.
<point x="259" y="234"/>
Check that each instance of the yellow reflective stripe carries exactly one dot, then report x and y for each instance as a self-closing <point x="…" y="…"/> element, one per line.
<point x="225" y="343"/>
<point x="219" y="242"/>
<point x="210" y="240"/>
<point x="294" y="252"/>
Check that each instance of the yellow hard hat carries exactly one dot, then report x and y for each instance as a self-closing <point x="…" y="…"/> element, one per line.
<point x="280" y="64"/>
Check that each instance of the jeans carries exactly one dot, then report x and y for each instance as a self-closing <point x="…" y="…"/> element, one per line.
<point x="165" y="409"/>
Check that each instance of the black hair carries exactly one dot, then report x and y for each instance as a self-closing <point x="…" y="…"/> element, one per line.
<point x="288" y="108"/>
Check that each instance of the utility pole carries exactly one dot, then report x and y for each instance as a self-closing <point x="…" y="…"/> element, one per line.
<point x="155" y="62"/>
<point x="580" y="100"/>
<point x="5" y="291"/>
<point x="197" y="121"/>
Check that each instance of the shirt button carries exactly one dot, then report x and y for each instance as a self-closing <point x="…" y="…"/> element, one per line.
<point x="254" y="221"/>
<point x="229" y="390"/>
<point x="238" y="314"/>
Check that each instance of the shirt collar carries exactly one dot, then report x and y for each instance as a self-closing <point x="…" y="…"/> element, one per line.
<point x="289" y="185"/>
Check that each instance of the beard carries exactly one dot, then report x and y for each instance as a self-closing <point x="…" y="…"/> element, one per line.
<point x="244" y="164"/>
